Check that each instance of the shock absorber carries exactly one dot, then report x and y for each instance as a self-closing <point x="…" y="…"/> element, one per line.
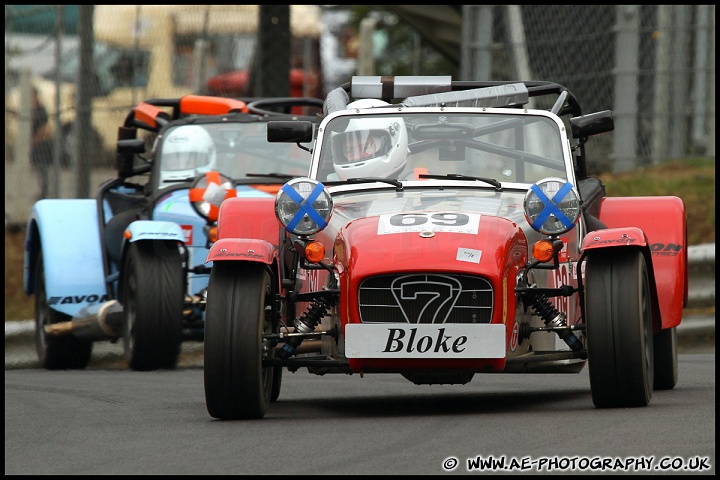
<point x="306" y="323"/>
<point x="553" y="318"/>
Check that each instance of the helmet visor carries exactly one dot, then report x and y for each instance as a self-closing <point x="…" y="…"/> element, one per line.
<point x="185" y="160"/>
<point x="361" y="145"/>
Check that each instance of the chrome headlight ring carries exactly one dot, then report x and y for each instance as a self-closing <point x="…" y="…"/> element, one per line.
<point x="552" y="206"/>
<point x="303" y="206"/>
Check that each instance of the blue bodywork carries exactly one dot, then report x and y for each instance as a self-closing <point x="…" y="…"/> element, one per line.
<point x="71" y="252"/>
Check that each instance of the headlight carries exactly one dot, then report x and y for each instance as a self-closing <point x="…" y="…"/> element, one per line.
<point x="552" y="206"/>
<point x="207" y="193"/>
<point x="303" y="206"/>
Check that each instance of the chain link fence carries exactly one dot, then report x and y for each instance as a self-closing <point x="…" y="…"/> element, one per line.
<point x="132" y="53"/>
<point x="653" y="65"/>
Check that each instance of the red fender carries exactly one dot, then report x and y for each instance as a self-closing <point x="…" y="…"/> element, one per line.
<point x="247" y="217"/>
<point x="242" y="249"/>
<point x="629" y="236"/>
<point x="663" y="221"/>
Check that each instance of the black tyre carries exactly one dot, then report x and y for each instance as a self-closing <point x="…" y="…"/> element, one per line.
<point x="64" y="352"/>
<point x="666" y="363"/>
<point x="237" y="386"/>
<point x="619" y="328"/>
<point x="276" y="384"/>
<point x="152" y="296"/>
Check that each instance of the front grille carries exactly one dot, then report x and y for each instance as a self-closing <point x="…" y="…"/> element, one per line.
<point x="426" y="298"/>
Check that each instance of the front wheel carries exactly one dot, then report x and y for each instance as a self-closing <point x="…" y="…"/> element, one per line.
<point x="153" y="293"/>
<point x="666" y="363"/>
<point x="61" y="352"/>
<point x="619" y="328"/>
<point x="238" y="312"/>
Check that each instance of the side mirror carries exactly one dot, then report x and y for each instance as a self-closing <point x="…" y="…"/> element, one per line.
<point x="289" y="131"/>
<point x="592" y="124"/>
<point x="127" y="147"/>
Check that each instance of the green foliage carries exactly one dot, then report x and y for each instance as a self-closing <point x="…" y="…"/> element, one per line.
<point x="693" y="180"/>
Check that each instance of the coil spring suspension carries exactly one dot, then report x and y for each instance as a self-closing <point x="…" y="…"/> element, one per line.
<point x="306" y="323"/>
<point x="553" y="318"/>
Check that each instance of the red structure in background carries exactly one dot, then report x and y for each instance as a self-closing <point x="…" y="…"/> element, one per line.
<point x="236" y="84"/>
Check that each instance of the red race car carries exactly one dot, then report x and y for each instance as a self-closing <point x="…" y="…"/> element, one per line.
<point x="446" y="229"/>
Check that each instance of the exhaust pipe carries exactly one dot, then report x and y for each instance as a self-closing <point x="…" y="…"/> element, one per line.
<point x="97" y="322"/>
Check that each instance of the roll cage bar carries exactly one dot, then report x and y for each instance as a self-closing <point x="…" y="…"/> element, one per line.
<point x="443" y="91"/>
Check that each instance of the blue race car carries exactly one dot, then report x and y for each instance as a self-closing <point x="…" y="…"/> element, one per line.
<point x="130" y="263"/>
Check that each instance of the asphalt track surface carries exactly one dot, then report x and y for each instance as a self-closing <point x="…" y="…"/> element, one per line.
<point x="108" y="421"/>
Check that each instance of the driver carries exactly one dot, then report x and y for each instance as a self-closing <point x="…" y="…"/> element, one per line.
<point x="186" y="151"/>
<point x="370" y="147"/>
<point x="359" y="145"/>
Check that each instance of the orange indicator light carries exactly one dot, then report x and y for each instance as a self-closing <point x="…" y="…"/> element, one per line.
<point x="543" y="250"/>
<point x="212" y="234"/>
<point x="314" y="252"/>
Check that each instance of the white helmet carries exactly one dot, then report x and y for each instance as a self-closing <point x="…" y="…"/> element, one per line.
<point x="186" y="151"/>
<point x="370" y="147"/>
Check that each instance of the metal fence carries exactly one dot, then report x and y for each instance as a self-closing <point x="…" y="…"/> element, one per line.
<point x="92" y="64"/>
<point x="653" y="65"/>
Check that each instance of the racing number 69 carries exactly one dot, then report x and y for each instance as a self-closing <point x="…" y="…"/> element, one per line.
<point x="415" y="219"/>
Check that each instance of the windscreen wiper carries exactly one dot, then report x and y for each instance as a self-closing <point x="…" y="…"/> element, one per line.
<point x="284" y="176"/>
<point x="457" y="176"/>
<point x="392" y="181"/>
